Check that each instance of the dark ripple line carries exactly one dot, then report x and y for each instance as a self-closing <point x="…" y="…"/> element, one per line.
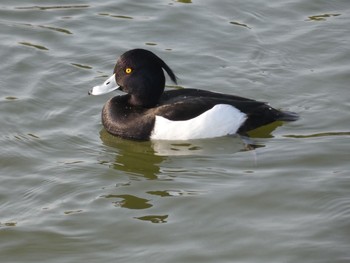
<point x="321" y="17"/>
<point x="323" y="134"/>
<point x="33" y="45"/>
<point x="36" y="7"/>
<point x="240" y="24"/>
<point x="116" y="16"/>
<point x="81" y="66"/>
<point x="57" y="29"/>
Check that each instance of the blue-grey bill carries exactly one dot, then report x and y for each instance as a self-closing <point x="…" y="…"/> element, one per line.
<point x="109" y="85"/>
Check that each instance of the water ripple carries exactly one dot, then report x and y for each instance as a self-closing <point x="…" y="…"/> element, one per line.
<point x="156" y="219"/>
<point x="52" y="28"/>
<point x="81" y="66"/>
<point x="323" y="134"/>
<point x="321" y="17"/>
<point x="37" y="7"/>
<point x="57" y="29"/>
<point x="33" y="45"/>
<point x="239" y="24"/>
<point x="116" y="16"/>
<point x="130" y="201"/>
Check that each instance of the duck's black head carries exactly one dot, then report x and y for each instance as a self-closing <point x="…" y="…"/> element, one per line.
<point x="139" y="73"/>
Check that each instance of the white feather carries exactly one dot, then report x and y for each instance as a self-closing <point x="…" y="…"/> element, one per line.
<point x="220" y="120"/>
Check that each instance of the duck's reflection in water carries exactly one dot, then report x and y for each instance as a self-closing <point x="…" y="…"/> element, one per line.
<point x="144" y="157"/>
<point x="133" y="157"/>
<point x="143" y="160"/>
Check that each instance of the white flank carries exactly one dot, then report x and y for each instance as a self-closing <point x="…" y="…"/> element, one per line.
<point x="220" y="120"/>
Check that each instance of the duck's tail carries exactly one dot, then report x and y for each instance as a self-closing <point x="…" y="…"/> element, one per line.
<point x="263" y="115"/>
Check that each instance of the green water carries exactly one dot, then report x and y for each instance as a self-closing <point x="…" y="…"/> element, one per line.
<point x="70" y="192"/>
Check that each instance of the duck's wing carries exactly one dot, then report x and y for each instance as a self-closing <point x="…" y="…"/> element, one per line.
<point x="181" y="94"/>
<point x="190" y="107"/>
<point x="180" y="105"/>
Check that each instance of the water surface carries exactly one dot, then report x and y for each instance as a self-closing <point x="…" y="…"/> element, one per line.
<point x="70" y="192"/>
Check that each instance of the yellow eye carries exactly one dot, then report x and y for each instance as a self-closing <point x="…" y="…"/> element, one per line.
<point x="128" y="70"/>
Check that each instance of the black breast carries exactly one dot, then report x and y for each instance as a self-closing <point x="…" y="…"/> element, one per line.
<point x="120" y="119"/>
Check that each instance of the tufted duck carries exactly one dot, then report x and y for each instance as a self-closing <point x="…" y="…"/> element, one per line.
<point x="148" y="112"/>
